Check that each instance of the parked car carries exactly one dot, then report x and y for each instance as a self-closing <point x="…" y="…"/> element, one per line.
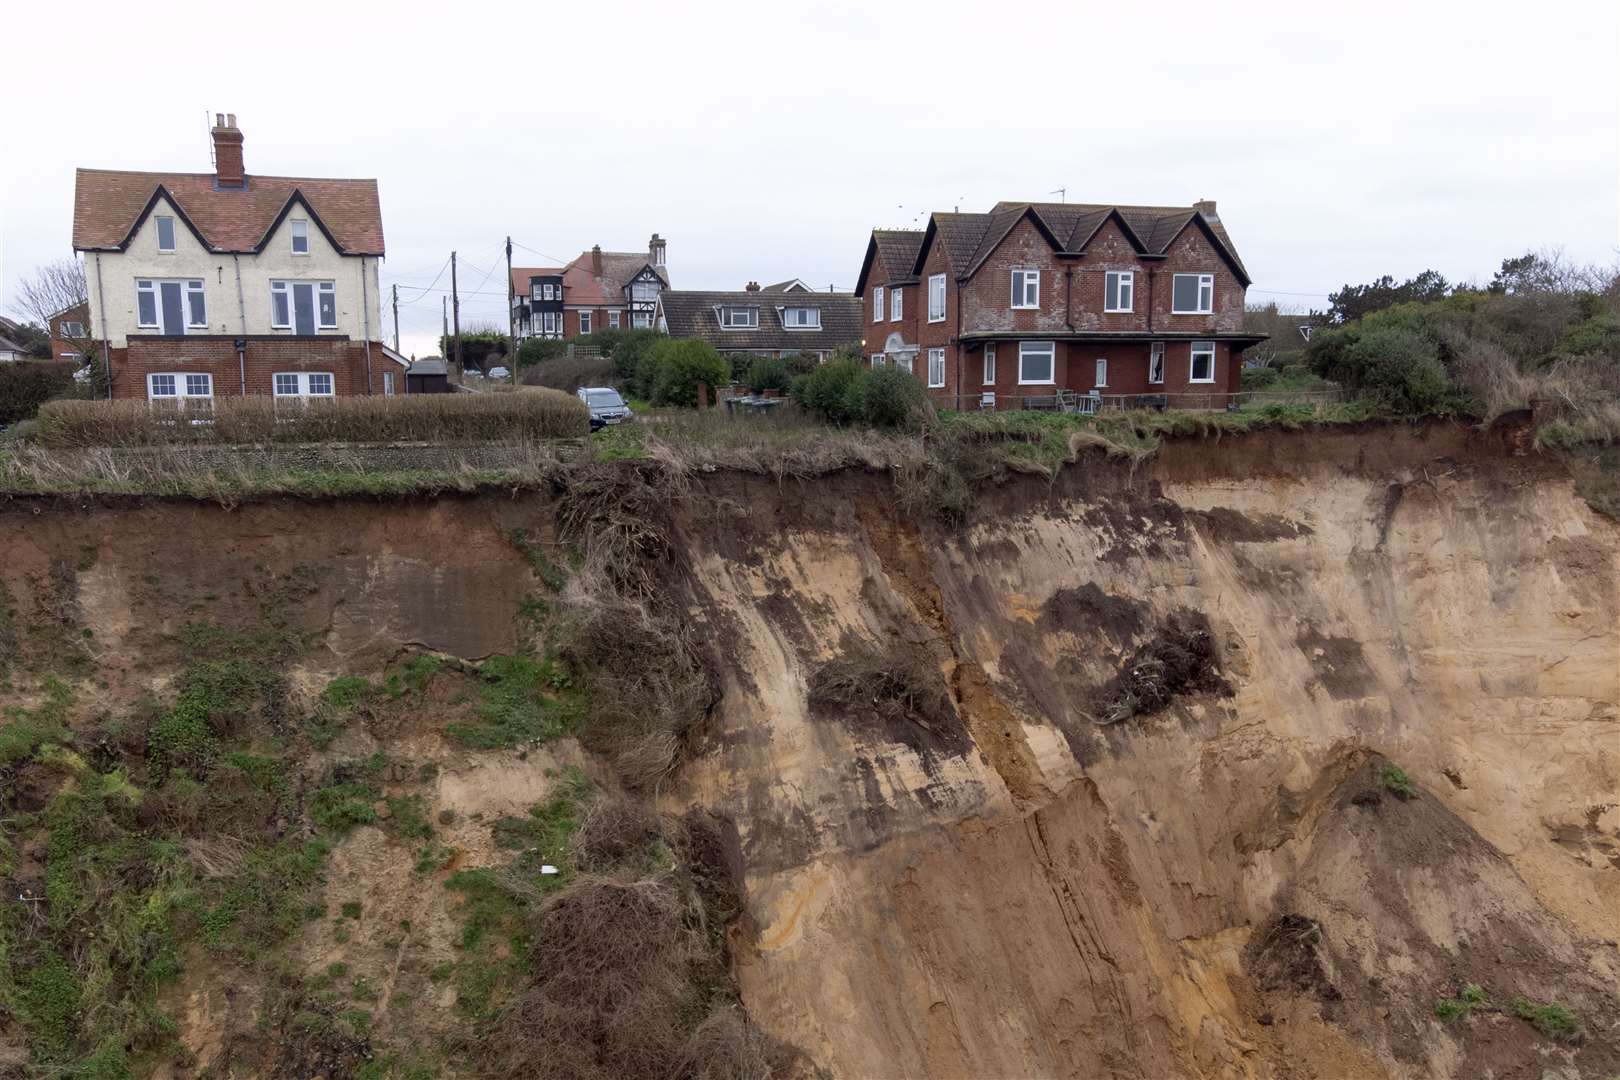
<point x="605" y="404"/>
<point x="498" y="373"/>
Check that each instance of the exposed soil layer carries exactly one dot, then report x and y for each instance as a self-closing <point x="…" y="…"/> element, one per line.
<point x="942" y="864"/>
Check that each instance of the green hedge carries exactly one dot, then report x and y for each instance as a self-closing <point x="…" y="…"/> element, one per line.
<point x="849" y="392"/>
<point x="28" y="384"/>
<point x="530" y="413"/>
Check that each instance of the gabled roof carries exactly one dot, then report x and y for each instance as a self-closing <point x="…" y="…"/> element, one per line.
<point x="969" y="239"/>
<point x="890" y="254"/>
<point x="690" y="313"/>
<point x="108" y="206"/>
<point x="583" y="286"/>
<point x="790" y="285"/>
<point x="1153" y="228"/>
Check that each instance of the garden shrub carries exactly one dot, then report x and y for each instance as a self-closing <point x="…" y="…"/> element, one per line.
<point x="671" y="371"/>
<point x="767" y="373"/>
<point x="25" y="386"/>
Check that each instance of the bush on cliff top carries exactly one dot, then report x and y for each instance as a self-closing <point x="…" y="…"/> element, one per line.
<point x="535" y="413"/>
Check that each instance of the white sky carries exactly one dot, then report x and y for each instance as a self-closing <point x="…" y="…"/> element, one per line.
<point x="765" y="141"/>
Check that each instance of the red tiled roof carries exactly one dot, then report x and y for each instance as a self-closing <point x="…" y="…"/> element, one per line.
<point x="581" y="285"/>
<point x="107" y="203"/>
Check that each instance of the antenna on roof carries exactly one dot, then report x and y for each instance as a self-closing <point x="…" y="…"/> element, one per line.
<point x="208" y="129"/>
<point x="1062" y="193"/>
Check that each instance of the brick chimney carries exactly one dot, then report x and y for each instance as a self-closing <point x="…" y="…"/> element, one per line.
<point x="1207" y="208"/>
<point x="753" y="286"/>
<point x="655" y="250"/>
<point x="596" y="260"/>
<point x="228" y="169"/>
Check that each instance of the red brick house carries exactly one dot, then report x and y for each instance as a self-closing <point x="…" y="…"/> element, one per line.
<point x="204" y="285"/>
<point x="70" y="333"/>
<point x="600" y="290"/>
<point x="1031" y="299"/>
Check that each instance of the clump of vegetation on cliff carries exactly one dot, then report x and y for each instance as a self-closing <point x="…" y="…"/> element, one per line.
<point x="1180" y="659"/>
<point x="896" y="689"/>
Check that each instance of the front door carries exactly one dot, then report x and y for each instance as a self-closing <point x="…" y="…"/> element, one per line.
<point x="304" y="309"/>
<point x="173" y="298"/>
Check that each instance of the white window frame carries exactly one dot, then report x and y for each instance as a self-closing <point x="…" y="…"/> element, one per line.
<point x="1195" y="350"/>
<point x="299" y="230"/>
<point x="1027" y="348"/>
<point x="284" y="286"/>
<point x="1120" y="285"/>
<point x="303" y="382"/>
<point x="815" y="312"/>
<point x="936" y="298"/>
<point x="70" y="329"/>
<point x="1022" y="279"/>
<point x="989" y="365"/>
<point x="388" y="384"/>
<point x="585" y="321"/>
<point x="896" y="303"/>
<point x="936" y="375"/>
<point x="189" y="288"/>
<point x="613" y="320"/>
<point x="1101" y="376"/>
<point x="728" y="318"/>
<point x="877" y="303"/>
<point x="174" y="241"/>
<point x="641" y="319"/>
<point x="1206" y="295"/>
<point x="1156" y="363"/>
<point x="878" y="359"/>
<point x="550" y="323"/>
<point x="185" y="390"/>
<point x="904" y="361"/>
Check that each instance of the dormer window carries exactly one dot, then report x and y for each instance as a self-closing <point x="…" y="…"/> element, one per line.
<point x="801" y="318"/>
<point x="739" y="318"/>
<point x="165" y="233"/>
<point x="300" y="237"/>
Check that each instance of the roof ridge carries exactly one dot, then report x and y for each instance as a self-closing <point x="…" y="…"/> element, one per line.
<point x="209" y="175"/>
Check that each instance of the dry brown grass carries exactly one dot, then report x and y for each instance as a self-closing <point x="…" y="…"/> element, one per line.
<point x="434" y="418"/>
<point x="644" y="689"/>
<point x="629" y="970"/>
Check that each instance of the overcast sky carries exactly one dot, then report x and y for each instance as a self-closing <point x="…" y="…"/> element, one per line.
<point x="1341" y="142"/>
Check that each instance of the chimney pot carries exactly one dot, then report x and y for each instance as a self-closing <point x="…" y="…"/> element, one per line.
<point x="1207" y="208"/>
<point x="229" y="171"/>
<point x="753" y="286"/>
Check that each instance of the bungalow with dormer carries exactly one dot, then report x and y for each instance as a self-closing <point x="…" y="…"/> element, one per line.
<point x="203" y="285"/>
<point x="760" y="322"/>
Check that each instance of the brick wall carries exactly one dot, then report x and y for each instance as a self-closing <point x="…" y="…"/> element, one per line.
<point x="60" y="344"/>
<point x="217" y="356"/>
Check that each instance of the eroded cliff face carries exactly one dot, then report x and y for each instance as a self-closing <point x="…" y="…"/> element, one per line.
<point x="1148" y="832"/>
<point x="1069" y="896"/>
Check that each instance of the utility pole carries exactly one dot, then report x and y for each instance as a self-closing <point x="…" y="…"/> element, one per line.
<point x="511" y="316"/>
<point x="396" y="318"/>
<point x="455" y="312"/>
